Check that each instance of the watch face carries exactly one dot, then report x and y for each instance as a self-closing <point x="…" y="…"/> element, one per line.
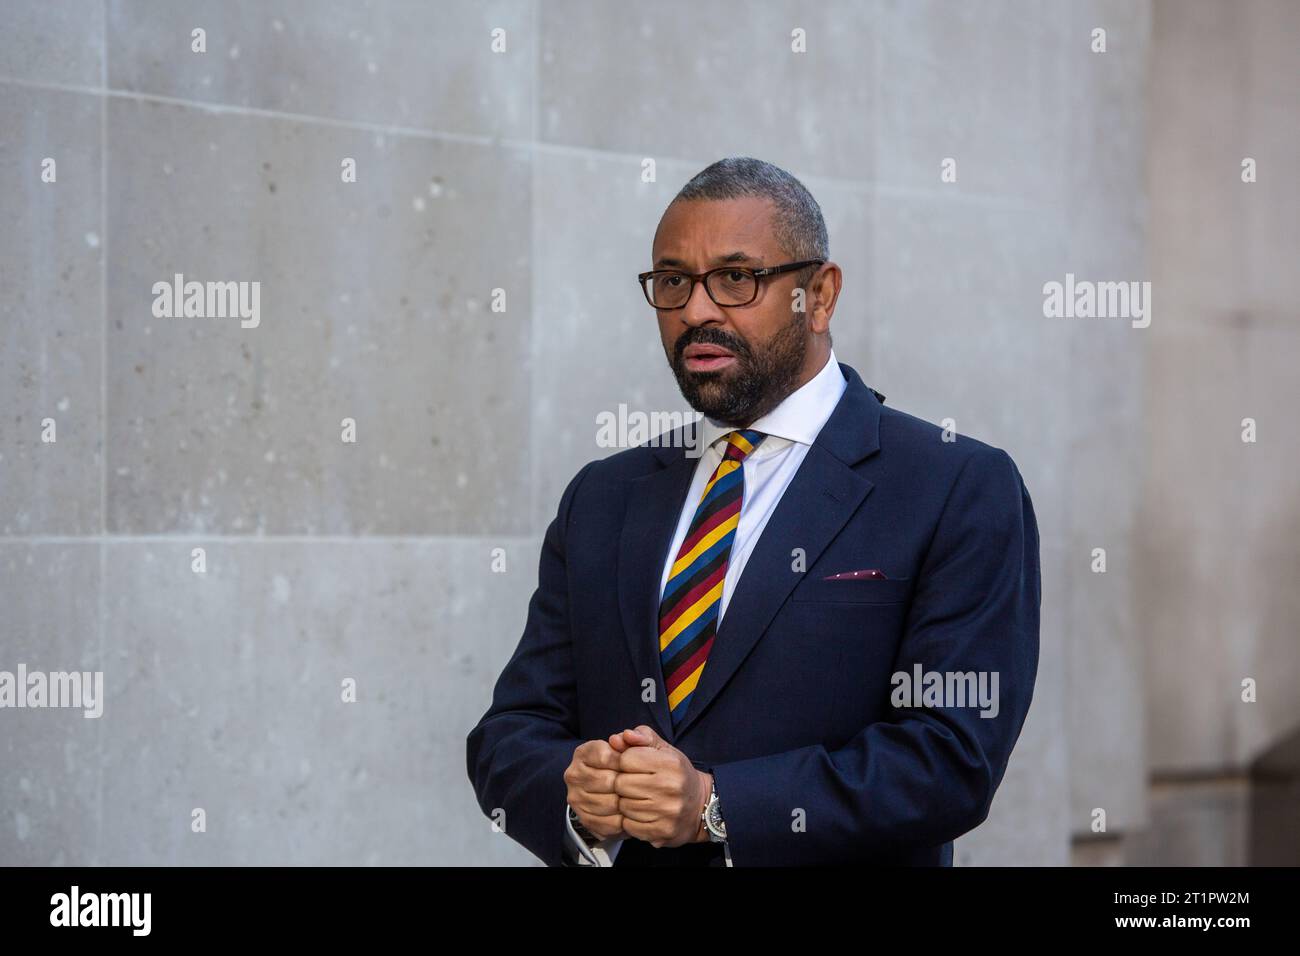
<point x="715" y="823"/>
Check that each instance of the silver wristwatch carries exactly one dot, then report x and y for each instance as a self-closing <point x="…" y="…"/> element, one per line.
<point x="583" y="833"/>
<point x="712" y="817"/>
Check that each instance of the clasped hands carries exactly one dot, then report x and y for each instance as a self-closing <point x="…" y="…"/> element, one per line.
<point x="636" y="784"/>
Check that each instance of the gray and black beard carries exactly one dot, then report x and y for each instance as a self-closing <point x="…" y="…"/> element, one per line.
<point x="754" y="384"/>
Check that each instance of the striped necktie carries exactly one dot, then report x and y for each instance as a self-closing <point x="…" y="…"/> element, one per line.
<point x="688" y="613"/>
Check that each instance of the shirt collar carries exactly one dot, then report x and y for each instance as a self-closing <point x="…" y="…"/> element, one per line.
<point x="798" y="418"/>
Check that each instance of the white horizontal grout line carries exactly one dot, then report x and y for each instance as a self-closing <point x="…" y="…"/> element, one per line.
<point x="412" y="132"/>
<point x="1005" y="201"/>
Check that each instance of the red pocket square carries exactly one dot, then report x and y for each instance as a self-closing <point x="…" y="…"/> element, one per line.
<point x="870" y="573"/>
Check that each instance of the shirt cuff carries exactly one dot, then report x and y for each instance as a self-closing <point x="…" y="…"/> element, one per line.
<point x="601" y="853"/>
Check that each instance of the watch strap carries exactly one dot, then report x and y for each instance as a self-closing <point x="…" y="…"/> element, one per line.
<point x="580" y="829"/>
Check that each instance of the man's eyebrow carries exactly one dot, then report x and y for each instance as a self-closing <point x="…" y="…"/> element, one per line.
<point x="666" y="262"/>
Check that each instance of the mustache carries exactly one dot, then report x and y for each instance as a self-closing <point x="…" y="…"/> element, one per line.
<point x="703" y="336"/>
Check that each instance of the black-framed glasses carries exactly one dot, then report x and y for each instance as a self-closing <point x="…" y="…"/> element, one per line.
<point x="726" y="285"/>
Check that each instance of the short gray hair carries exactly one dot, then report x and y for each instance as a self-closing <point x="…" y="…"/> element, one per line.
<point x="798" y="222"/>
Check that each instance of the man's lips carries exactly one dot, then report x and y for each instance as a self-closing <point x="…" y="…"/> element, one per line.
<point x="707" y="358"/>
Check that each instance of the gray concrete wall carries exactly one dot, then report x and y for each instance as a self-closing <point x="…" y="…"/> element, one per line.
<point x="1220" y="519"/>
<point x="477" y="170"/>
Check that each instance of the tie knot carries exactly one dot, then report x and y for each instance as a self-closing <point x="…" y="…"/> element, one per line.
<point x="740" y="443"/>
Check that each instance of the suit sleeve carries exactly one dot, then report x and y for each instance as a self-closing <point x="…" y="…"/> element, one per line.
<point x="928" y="774"/>
<point x="518" y="751"/>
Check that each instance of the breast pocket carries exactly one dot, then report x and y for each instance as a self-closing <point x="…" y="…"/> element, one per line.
<point x="851" y="590"/>
<point x="852" y="628"/>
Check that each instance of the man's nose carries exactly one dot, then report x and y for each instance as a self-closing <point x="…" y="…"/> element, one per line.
<point x="700" y="309"/>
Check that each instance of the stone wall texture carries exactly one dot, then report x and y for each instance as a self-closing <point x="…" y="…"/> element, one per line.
<point x="502" y="145"/>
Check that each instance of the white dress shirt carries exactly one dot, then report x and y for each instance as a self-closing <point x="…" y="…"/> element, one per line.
<point x="790" y="430"/>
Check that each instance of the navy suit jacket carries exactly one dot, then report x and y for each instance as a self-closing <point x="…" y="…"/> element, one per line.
<point x="812" y="762"/>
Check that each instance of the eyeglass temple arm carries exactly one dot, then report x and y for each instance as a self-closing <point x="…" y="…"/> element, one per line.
<point x="788" y="267"/>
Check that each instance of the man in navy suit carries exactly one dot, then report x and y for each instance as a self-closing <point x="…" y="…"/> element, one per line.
<point x="800" y="631"/>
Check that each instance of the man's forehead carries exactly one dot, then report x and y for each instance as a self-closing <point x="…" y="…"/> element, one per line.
<point x="724" y="230"/>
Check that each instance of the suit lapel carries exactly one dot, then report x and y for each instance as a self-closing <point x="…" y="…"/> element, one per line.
<point x="820" y="499"/>
<point x="823" y="495"/>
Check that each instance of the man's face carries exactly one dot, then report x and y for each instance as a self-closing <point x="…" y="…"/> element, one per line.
<point x="734" y="363"/>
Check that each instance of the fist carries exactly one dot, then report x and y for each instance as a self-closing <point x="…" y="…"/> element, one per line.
<point x="659" y="792"/>
<point x="589" y="780"/>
